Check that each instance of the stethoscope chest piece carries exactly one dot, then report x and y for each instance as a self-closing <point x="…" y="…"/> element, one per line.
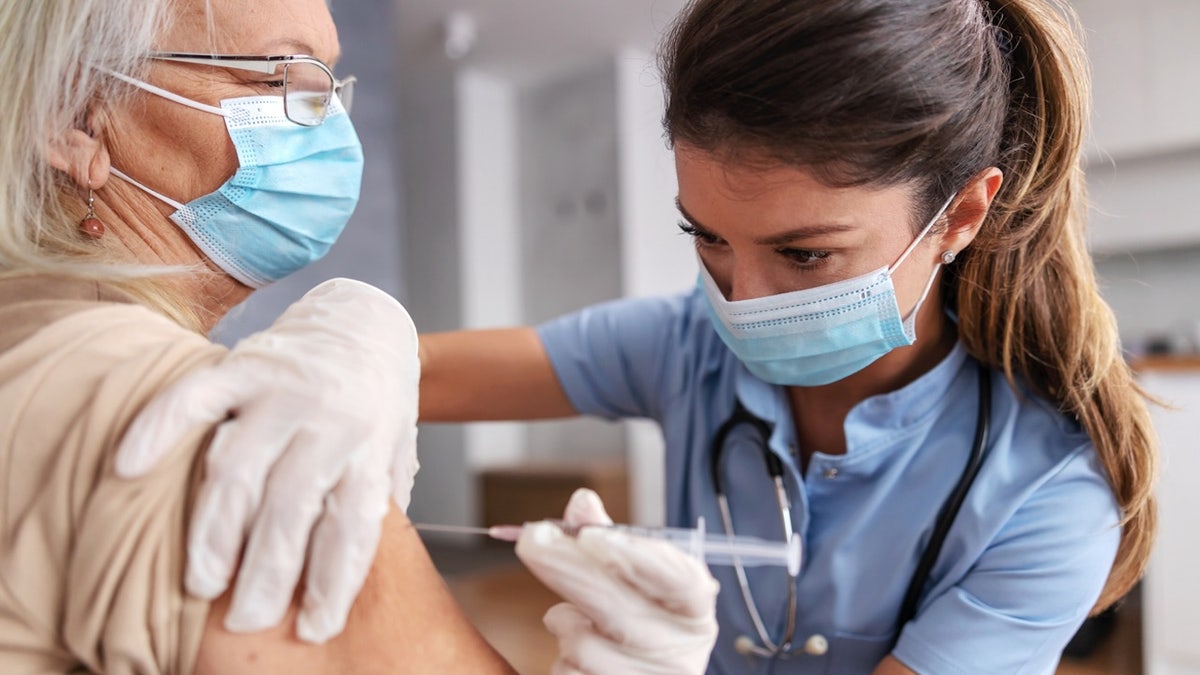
<point x="816" y="645"/>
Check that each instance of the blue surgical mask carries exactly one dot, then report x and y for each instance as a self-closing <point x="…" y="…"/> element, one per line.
<point x="294" y="190"/>
<point x="818" y="335"/>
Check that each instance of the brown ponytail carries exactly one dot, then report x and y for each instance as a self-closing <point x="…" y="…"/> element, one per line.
<point x="1027" y="297"/>
<point x="929" y="93"/>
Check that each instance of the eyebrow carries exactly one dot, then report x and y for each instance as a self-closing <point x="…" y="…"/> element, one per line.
<point x="781" y="238"/>
<point x="293" y="46"/>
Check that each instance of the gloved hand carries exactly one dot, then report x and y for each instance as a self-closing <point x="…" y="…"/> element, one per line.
<point x="633" y="605"/>
<point x="323" y="430"/>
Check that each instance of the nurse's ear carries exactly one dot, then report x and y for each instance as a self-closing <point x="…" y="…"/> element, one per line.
<point x="81" y="153"/>
<point x="967" y="213"/>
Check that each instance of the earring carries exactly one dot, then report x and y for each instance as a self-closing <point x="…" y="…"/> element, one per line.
<point x="948" y="257"/>
<point x="91" y="224"/>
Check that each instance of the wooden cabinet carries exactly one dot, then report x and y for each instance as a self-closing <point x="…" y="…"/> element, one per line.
<point x="1145" y="84"/>
<point x="1144" y="157"/>
<point x="1144" y="203"/>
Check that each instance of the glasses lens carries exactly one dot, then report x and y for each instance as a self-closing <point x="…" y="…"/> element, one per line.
<point x="307" y="89"/>
<point x="345" y="91"/>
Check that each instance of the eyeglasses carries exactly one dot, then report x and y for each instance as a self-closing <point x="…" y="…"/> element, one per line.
<point x="308" y="84"/>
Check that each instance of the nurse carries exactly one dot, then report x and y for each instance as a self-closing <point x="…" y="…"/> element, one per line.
<point x="886" y="202"/>
<point x="895" y="347"/>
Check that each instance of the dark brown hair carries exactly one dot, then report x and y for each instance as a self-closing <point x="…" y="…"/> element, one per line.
<point x="928" y="93"/>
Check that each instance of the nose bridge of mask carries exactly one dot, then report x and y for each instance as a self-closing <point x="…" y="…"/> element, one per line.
<point x="169" y="95"/>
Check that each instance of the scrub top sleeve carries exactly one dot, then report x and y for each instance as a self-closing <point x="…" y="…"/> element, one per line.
<point x="616" y="359"/>
<point x="1035" y="584"/>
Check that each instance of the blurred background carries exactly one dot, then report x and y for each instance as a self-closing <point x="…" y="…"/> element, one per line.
<point x="516" y="170"/>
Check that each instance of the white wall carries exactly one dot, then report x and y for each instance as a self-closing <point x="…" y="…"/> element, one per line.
<point x="1172" y="587"/>
<point x="655" y="259"/>
<point x="445" y="491"/>
<point x="489" y="237"/>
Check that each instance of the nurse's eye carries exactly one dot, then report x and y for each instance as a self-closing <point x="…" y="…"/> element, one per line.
<point x="804" y="258"/>
<point x="701" y="237"/>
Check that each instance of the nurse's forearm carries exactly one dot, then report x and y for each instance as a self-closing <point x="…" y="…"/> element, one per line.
<point x="488" y="375"/>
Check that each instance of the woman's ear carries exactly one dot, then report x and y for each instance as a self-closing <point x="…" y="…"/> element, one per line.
<point x="82" y="155"/>
<point x="966" y="215"/>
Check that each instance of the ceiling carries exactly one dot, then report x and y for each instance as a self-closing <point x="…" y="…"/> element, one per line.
<point x="527" y="39"/>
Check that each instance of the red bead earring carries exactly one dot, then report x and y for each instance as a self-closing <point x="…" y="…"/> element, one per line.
<point x="91" y="224"/>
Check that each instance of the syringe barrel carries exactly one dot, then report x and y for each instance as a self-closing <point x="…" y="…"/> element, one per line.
<point x="721" y="549"/>
<point x="753" y="552"/>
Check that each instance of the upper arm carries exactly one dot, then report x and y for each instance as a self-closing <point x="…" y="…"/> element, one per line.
<point x="404" y="620"/>
<point x="890" y="666"/>
<point x="605" y="360"/>
<point x="1031" y="589"/>
<point x="488" y="375"/>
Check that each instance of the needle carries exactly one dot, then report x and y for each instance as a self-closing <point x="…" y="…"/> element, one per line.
<point x="455" y="529"/>
<point x="500" y="532"/>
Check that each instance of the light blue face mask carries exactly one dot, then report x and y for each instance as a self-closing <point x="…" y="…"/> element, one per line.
<point x="818" y="335"/>
<point x="294" y="190"/>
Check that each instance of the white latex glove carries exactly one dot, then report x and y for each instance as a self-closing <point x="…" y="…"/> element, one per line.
<point x="323" y="431"/>
<point x="633" y="605"/>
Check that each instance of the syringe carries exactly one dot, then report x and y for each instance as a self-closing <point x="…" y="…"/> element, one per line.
<point x="713" y="548"/>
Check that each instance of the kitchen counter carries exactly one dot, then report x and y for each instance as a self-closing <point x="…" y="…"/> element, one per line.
<point x="1180" y="363"/>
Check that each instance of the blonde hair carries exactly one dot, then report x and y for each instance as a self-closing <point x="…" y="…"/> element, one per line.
<point x="51" y="63"/>
<point x="930" y="93"/>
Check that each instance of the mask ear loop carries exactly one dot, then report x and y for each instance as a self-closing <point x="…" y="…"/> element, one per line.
<point x="169" y="95"/>
<point x="161" y="197"/>
<point x="911" y="320"/>
<point x="913" y="246"/>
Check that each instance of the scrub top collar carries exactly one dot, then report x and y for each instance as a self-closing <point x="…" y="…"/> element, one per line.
<point x="907" y="407"/>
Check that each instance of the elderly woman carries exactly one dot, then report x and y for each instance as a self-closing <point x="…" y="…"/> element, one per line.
<point x="160" y="160"/>
<point x="232" y="173"/>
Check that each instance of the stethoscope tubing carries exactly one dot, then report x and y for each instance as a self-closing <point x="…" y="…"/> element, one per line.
<point x="945" y="519"/>
<point x="952" y="505"/>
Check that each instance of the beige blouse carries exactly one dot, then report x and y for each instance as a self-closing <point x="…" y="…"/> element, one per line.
<point x="91" y="565"/>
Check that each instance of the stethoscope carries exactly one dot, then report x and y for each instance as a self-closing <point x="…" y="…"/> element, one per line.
<point x="783" y="648"/>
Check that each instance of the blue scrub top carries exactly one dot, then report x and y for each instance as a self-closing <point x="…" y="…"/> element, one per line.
<point x="1023" y="564"/>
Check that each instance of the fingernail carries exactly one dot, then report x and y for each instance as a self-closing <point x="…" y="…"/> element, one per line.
<point x="251" y="612"/>
<point x="603" y="537"/>
<point x="129" y="463"/>
<point x="544" y="532"/>
<point x="245" y="621"/>
<point x="582" y="500"/>
<point x="317" y="627"/>
<point x="605" y="545"/>
<point x="203" y="585"/>
<point x="586" y="508"/>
